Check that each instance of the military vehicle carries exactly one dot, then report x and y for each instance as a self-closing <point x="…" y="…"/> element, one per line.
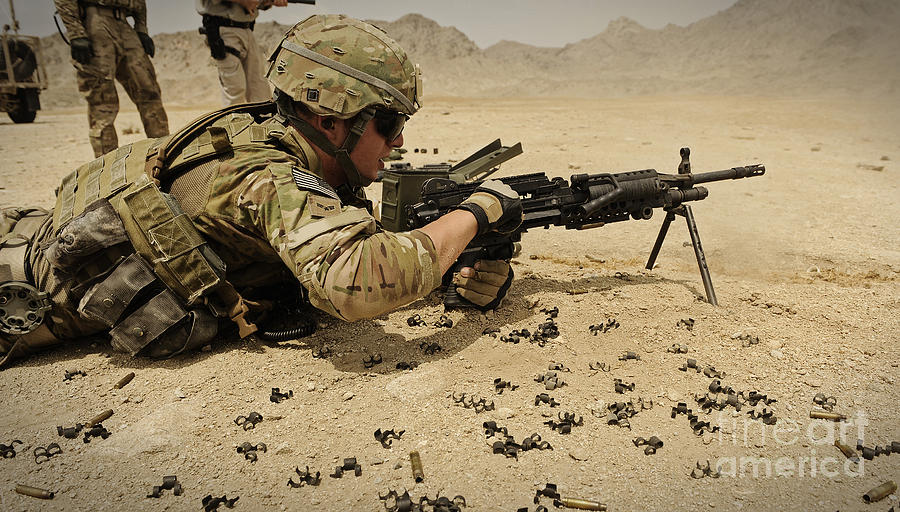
<point x="21" y="74"/>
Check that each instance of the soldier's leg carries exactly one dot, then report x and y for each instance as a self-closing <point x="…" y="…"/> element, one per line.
<point x="95" y="82"/>
<point x="231" y="68"/>
<point x="136" y="74"/>
<point x="254" y="68"/>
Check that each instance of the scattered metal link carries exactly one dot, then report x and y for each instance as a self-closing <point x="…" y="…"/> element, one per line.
<point x="249" y="421"/>
<point x="551" y="312"/>
<point x="415" y="321"/>
<point x="704" y="470"/>
<point x="629" y="355"/>
<point x="251" y="450"/>
<point x="598" y="366"/>
<point x="544" y="398"/>
<point x="747" y="340"/>
<point x="403" y="365"/>
<point x="700" y="427"/>
<point x="396" y="502"/>
<point x="512" y="338"/>
<point x="444" y="321"/>
<point x="754" y="397"/>
<point x="321" y="353"/>
<point x="716" y="387"/>
<point x="371" y="360"/>
<point x="97" y="430"/>
<point x="305" y="478"/>
<point x="473" y="402"/>
<point x="210" y="504"/>
<point x="69" y="374"/>
<point x="681" y="408"/>
<point x="870" y="453"/>
<point x="508" y="445"/>
<point x="500" y="385"/>
<point x="677" y="349"/>
<point x="566" y="422"/>
<point x="825" y="402"/>
<point x="687" y="323"/>
<point x="278" y="396"/>
<point x="386" y="437"/>
<point x="550" y="380"/>
<point x="69" y="432"/>
<point x="652" y="445"/>
<point x="8" y="451"/>
<point x="42" y="454"/>
<point x="622" y="387"/>
<point x="168" y="483"/>
<point x="611" y="323"/>
<point x="712" y="373"/>
<point x="692" y="364"/>
<point x="558" y="367"/>
<point x="430" y="348"/>
<point x="490" y="331"/>
<point x="350" y="464"/>
<point x="491" y="429"/>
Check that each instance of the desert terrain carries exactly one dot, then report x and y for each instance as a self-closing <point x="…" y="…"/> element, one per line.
<point x="805" y="259"/>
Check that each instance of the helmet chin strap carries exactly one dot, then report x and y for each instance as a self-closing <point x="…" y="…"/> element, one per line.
<point x="341" y="154"/>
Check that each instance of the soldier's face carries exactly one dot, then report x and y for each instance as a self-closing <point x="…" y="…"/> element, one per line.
<point x="371" y="148"/>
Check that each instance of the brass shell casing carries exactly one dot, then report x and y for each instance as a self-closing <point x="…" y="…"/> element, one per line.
<point x="34" y="492"/>
<point x="880" y="492"/>
<point x="416" y="463"/>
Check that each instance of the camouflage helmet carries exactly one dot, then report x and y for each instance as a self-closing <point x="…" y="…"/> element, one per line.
<point x="337" y="66"/>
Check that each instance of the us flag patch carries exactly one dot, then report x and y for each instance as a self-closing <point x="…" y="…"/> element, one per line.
<point x="312" y="183"/>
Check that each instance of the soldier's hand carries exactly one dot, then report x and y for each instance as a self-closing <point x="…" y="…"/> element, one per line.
<point x="147" y="43"/>
<point x="82" y="50"/>
<point x="496" y="206"/>
<point x="485" y="284"/>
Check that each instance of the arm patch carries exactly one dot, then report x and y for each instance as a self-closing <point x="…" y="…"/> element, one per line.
<point x="308" y="181"/>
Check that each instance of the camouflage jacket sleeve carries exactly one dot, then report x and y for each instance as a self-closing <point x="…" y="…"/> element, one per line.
<point x="351" y="269"/>
<point x="140" y="16"/>
<point x="68" y="12"/>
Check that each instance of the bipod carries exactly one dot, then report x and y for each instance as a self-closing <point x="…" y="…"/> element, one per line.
<point x="685" y="211"/>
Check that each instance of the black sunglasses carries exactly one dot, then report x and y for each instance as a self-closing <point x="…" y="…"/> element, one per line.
<point x="389" y="123"/>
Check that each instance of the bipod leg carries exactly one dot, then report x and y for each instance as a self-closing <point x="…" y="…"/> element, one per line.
<point x="701" y="257"/>
<point x="670" y="216"/>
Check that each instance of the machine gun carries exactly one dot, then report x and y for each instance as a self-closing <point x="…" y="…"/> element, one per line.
<point x="584" y="201"/>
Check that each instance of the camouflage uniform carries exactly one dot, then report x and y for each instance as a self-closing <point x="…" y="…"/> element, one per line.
<point x="241" y="71"/>
<point x="260" y="205"/>
<point x="118" y="55"/>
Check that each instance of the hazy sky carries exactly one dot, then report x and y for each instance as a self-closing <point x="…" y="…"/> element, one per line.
<point x="536" y="22"/>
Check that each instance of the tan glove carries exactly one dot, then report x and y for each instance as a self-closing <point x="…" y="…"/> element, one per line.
<point x="485" y="284"/>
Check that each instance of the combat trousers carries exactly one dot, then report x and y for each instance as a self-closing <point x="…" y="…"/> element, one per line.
<point x="118" y="55"/>
<point x="242" y="78"/>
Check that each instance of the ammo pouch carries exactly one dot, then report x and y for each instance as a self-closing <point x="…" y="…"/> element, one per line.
<point x="210" y="29"/>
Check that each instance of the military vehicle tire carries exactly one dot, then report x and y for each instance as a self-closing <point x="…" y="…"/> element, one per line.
<point x="22" y="115"/>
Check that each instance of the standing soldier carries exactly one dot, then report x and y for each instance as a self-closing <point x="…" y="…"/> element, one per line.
<point x="105" y="47"/>
<point x="228" y="26"/>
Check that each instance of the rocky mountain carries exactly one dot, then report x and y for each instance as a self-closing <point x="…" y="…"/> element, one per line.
<point x="762" y="47"/>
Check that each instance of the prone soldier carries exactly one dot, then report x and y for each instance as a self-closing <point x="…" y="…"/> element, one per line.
<point x="106" y="48"/>
<point x="159" y="240"/>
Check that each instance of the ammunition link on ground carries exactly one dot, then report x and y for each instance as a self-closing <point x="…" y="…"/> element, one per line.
<point x="69" y="374"/>
<point x="550" y="380"/>
<point x="473" y="402"/>
<point x="430" y="348"/>
<point x="395" y="502"/>
<point x="168" y="483"/>
<point x="692" y="364"/>
<point x="544" y="398"/>
<point x="558" y="367"/>
<point x="712" y="373"/>
<point x="619" y="412"/>
<point x="611" y="323"/>
<point x="249" y="421"/>
<point x="8" y="451"/>
<point x="871" y="453"/>
<point x="566" y="422"/>
<point x="687" y="323"/>
<point x="321" y="353"/>
<point x="766" y="415"/>
<point x="825" y="402"/>
<point x="97" y="430"/>
<point x="444" y="321"/>
<point x="490" y="331"/>
<point x="500" y="385"/>
<point x="250" y="450"/>
<point x="349" y="465"/>
<point x="652" y="445"/>
<point x="598" y="366"/>
<point x="622" y="387"/>
<point x="42" y="454"/>
<point x="415" y="321"/>
<point x="703" y="471"/>
<point x="747" y="340"/>
<point x="371" y="360"/>
<point x="69" y="432"/>
<point x="551" y="312"/>
<point x="386" y="437"/>
<point x="277" y="396"/>
<point x="403" y="365"/>
<point x="210" y="504"/>
<point x="123" y="381"/>
<point x="305" y="478"/>
<point x="677" y="349"/>
<point x="629" y="356"/>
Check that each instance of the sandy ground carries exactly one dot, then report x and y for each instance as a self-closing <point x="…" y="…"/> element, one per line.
<point x="806" y="258"/>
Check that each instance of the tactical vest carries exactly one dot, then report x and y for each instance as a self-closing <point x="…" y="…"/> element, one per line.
<point x="143" y="268"/>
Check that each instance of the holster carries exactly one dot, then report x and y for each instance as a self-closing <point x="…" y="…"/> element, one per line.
<point x="210" y="28"/>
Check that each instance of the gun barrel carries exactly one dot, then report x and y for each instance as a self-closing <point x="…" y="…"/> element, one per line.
<point x="307" y="2"/>
<point x="735" y="173"/>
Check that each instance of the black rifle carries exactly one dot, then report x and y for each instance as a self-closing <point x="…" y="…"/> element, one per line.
<point x="585" y="201"/>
